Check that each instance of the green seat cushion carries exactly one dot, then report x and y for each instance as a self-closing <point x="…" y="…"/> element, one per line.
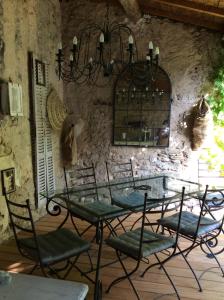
<point x="82" y="214"/>
<point x="188" y="224"/>
<point x="96" y="210"/>
<point x="129" y="241"/>
<point x="55" y="246"/>
<point x="133" y="200"/>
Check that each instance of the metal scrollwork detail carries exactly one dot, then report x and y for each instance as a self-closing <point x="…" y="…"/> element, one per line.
<point x="212" y="243"/>
<point x="56" y="211"/>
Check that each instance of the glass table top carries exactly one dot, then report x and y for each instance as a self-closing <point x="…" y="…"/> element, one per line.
<point x="122" y="195"/>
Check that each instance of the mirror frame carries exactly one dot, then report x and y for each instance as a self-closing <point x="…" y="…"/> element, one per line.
<point x="135" y="82"/>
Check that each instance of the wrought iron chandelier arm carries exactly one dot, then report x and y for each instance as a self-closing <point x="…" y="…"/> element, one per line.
<point x="100" y="51"/>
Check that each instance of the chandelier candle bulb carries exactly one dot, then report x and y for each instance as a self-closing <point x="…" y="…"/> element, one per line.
<point x="59" y="46"/>
<point x="91" y="60"/>
<point x="130" y="40"/>
<point x="157" y="51"/>
<point x="148" y="58"/>
<point x="71" y="57"/>
<point x="101" y="38"/>
<point x="150" y="45"/>
<point x="75" y="41"/>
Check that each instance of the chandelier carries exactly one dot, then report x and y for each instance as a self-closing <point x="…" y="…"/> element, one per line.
<point x="100" y="51"/>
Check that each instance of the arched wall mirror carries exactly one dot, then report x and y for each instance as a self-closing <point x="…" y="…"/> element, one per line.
<point x="142" y="105"/>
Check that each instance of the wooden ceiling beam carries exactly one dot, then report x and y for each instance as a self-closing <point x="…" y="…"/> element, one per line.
<point x="190" y="6"/>
<point x="132" y="9"/>
<point x="164" y="9"/>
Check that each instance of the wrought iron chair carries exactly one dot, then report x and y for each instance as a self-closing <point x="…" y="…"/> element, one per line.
<point x="213" y="208"/>
<point x="120" y="176"/>
<point x="214" y="202"/>
<point x="45" y="250"/>
<point x="141" y="243"/>
<point x="123" y="174"/>
<point x="86" y="177"/>
<point x="198" y="229"/>
<point x="77" y="177"/>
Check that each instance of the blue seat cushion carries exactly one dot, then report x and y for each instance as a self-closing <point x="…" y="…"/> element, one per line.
<point x="129" y="242"/>
<point x="54" y="246"/>
<point x="84" y="215"/>
<point x="93" y="212"/>
<point x="188" y="224"/>
<point x="133" y="200"/>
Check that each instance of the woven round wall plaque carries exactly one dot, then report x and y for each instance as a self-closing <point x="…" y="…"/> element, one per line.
<point x="56" y="110"/>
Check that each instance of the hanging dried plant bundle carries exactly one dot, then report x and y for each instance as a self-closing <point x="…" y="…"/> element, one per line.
<point x="69" y="135"/>
<point x="202" y="124"/>
<point x="68" y="145"/>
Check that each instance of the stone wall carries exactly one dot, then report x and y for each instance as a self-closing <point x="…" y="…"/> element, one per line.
<point x="2" y="46"/>
<point x="25" y="25"/>
<point x="188" y="54"/>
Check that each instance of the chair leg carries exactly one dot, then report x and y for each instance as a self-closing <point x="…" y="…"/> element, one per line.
<point x="76" y="229"/>
<point x="80" y="234"/>
<point x="126" y="276"/>
<point x="155" y="264"/>
<point x="168" y="276"/>
<point x="58" y="209"/>
<point x="109" y="226"/>
<point x="33" y="269"/>
<point x="187" y="262"/>
<point x="149" y="223"/>
<point x="189" y="249"/>
<point x="214" y="256"/>
<point x="83" y="274"/>
<point x="135" y="223"/>
<point x="52" y="271"/>
<point x="56" y="270"/>
<point x="73" y="223"/>
<point x="120" y="223"/>
<point x="71" y="266"/>
<point x="86" y="229"/>
<point x="90" y="260"/>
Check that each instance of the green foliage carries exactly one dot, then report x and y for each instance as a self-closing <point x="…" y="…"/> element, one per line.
<point x="215" y="154"/>
<point x="216" y="98"/>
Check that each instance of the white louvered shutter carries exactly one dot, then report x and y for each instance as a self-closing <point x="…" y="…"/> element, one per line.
<point x="44" y="168"/>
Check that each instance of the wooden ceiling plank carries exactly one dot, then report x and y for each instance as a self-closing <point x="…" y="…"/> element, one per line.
<point x="186" y="5"/>
<point x="192" y="19"/>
